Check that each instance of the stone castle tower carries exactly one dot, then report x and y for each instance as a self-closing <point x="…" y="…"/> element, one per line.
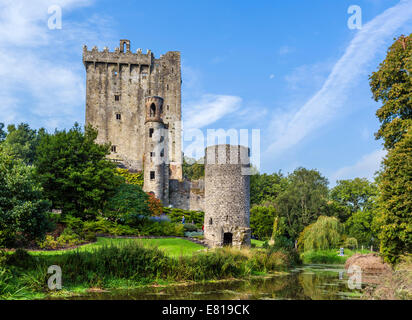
<point x="227" y="196"/>
<point x="117" y="84"/>
<point x="156" y="168"/>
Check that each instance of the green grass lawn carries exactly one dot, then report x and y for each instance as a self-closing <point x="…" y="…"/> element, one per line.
<point x="330" y="256"/>
<point x="173" y="247"/>
<point x="257" y="243"/>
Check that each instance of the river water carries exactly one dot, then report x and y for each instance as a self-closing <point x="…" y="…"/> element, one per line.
<point x="318" y="282"/>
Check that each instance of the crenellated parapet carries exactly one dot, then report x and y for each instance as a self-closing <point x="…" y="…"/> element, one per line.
<point x="121" y="55"/>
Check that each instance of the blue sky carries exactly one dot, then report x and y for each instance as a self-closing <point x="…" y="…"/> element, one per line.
<point x="292" y="69"/>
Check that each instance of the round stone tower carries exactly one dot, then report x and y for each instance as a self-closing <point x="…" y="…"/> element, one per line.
<point x="156" y="169"/>
<point x="227" y="196"/>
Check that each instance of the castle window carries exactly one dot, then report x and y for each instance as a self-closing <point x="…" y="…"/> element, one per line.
<point x="113" y="148"/>
<point x="210" y="221"/>
<point x="118" y="116"/>
<point x="144" y="75"/>
<point x="167" y="87"/>
<point x="162" y="153"/>
<point x="152" y="175"/>
<point x="168" y="107"/>
<point x="152" y="110"/>
<point x="161" y="139"/>
<point x="116" y="97"/>
<point x="115" y="73"/>
<point x="151" y="130"/>
<point x="152" y="154"/>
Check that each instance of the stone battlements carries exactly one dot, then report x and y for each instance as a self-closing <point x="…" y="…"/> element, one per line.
<point x="117" y="56"/>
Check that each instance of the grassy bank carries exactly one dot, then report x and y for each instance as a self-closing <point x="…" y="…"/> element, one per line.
<point x="173" y="247"/>
<point x="328" y="256"/>
<point x="124" y="263"/>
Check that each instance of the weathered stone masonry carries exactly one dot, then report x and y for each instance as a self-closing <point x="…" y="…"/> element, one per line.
<point x="117" y="84"/>
<point x="227" y="196"/>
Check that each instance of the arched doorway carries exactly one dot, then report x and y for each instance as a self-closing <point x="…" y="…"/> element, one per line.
<point x="227" y="239"/>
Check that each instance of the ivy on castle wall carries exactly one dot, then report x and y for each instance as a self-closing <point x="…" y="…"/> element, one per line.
<point x="135" y="178"/>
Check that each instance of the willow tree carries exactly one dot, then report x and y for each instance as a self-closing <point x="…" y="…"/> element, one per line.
<point x="324" y="234"/>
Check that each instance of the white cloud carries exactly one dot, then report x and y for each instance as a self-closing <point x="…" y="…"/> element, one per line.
<point x="40" y="82"/>
<point x="308" y="77"/>
<point x="290" y="128"/>
<point x="364" y="168"/>
<point x="208" y="109"/>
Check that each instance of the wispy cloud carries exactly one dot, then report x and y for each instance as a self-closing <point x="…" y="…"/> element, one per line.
<point x="208" y="109"/>
<point x="365" y="167"/>
<point x="41" y="75"/>
<point x="290" y="128"/>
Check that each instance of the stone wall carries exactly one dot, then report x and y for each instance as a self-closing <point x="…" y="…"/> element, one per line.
<point x="227" y="196"/>
<point x="187" y="195"/>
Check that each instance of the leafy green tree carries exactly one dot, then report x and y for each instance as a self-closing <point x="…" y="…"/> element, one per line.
<point x="2" y="132"/>
<point x="352" y="196"/>
<point x="266" y="187"/>
<point x="192" y="169"/>
<point x="363" y="225"/>
<point x="261" y="221"/>
<point x="392" y="85"/>
<point x="128" y="206"/>
<point x="325" y="233"/>
<point x="395" y="200"/>
<point x="23" y="210"/>
<point x="74" y="171"/>
<point x="303" y="200"/>
<point x="21" y="142"/>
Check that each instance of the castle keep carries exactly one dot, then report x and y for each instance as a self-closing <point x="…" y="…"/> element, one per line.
<point x="117" y="84"/>
<point x="134" y="101"/>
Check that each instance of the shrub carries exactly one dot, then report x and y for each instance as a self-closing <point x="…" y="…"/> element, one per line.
<point x="322" y="256"/>
<point x="261" y="221"/>
<point x="283" y="242"/>
<point x="65" y="240"/>
<point x="194" y="234"/>
<point x="155" y="205"/>
<point x="128" y="205"/>
<point x="176" y="214"/>
<point x="20" y="258"/>
<point x="189" y="227"/>
<point x="23" y="210"/>
<point x="161" y="228"/>
<point x="136" y="178"/>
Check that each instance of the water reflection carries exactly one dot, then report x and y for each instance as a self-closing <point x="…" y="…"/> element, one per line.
<point x="317" y="282"/>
